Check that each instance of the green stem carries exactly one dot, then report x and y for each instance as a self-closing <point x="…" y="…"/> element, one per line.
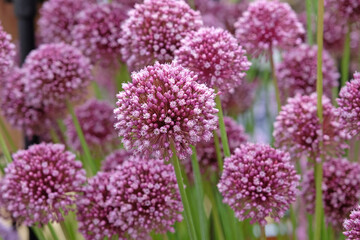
<point x="346" y="58"/>
<point x="89" y="160"/>
<point x="310" y="226"/>
<point x="199" y="194"/>
<point x="276" y="85"/>
<point x="54" y="136"/>
<point x="38" y="232"/>
<point x="52" y="231"/>
<point x="5" y="149"/>
<point x="122" y="76"/>
<point x="7" y="135"/>
<point x="356" y="151"/>
<point x="97" y="90"/>
<point x="262" y="233"/>
<point x="293" y="222"/>
<point x="309" y="22"/>
<point x="224" y="139"/>
<point x="187" y="210"/>
<point x="218" y="151"/>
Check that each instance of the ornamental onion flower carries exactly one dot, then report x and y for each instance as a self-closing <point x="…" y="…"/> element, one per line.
<point x="97" y="123"/>
<point x="165" y="105"/>
<point x="347" y="9"/>
<point x="297" y="129"/>
<point x="297" y="72"/>
<point x="215" y="56"/>
<point x="154" y="30"/>
<point x="41" y="183"/>
<point x="140" y="197"/>
<point x="7" y="52"/>
<point x="259" y="181"/>
<point x="266" y="25"/>
<point x="97" y="31"/>
<point x="115" y="160"/>
<point x="352" y="225"/>
<point x="341" y="193"/>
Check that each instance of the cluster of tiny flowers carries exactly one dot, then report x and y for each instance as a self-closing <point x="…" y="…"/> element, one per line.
<point x="41" y="183"/>
<point x="352" y="225"/>
<point x="115" y="160"/>
<point x="165" y="105"/>
<point x="215" y="56"/>
<point x="238" y="100"/>
<point x="139" y="197"/>
<point x="97" y="31"/>
<point x="7" y="52"/>
<point x="154" y="30"/>
<point x="268" y="24"/>
<point x="348" y="9"/>
<point x="129" y="3"/>
<point x="259" y="181"/>
<point x="341" y="193"/>
<point x="97" y="123"/>
<point x="57" y="19"/>
<point x="297" y="129"/>
<point x="17" y="108"/>
<point x="297" y="72"/>
<point x="56" y="73"/>
<point x="349" y="105"/>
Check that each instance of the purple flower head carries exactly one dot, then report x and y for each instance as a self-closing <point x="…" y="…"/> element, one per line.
<point x="215" y="56"/>
<point x="41" y="183"/>
<point x="340" y="187"/>
<point x="297" y="129"/>
<point x="129" y="3"/>
<point x="259" y="181"/>
<point x="56" y="73"/>
<point x="347" y="9"/>
<point x="97" y="31"/>
<point x="297" y="72"/>
<point x="266" y="25"/>
<point x="97" y="123"/>
<point x="140" y="197"/>
<point x="115" y="159"/>
<point x="154" y="30"/>
<point x="349" y="105"/>
<point x="57" y="19"/>
<point x="8" y="233"/>
<point x="352" y="225"/>
<point x="164" y="104"/>
<point x="18" y="109"/>
<point x="7" y="52"/>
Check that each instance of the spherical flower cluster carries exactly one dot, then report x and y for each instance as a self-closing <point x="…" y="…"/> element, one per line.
<point x="352" y="225"/>
<point x="268" y="24"/>
<point x="154" y="30"/>
<point x="165" y="105"/>
<point x="140" y="197"/>
<point x="7" y="52"/>
<point x="57" y="19"/>
<point x="215" y="56"/>
<point x="41" y="183"/>
<point x="97" y="31"/>
<point x="129" y="3"/>
<point x="297" y="129"/>
<point x="97" y="123"/>
<point x="348" y="9"/>
<point x="17" y="108"/>
<point x="349" y="105"/>
<point x="115" y="160"/>
<point x="56" y="73"/>
<point x="259" y="181"/>
<point x="297" y="72"/>
<point x="341" y="193"/>
<point x="237" y="100"/>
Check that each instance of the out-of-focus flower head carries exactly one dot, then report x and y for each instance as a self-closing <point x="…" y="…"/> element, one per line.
<point x="7" y="52"/>
<point x="352" y="225"/>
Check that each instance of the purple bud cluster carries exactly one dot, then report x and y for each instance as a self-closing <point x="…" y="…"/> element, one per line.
<point x="7" y="53"/>
<point x="352" y="225"/>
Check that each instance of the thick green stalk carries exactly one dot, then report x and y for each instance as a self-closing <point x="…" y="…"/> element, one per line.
<point x="346" y="58"/>
<point x="224" y="139"/>
<point x="276" y="85"/>
<point x="199" y="194"/>
<point x="293" y="223"/>
<point x="52" y="231"/>
<point x="38" y="232"/>
<point x="218" y="151"/>
<point x="309" y="22"/>
<point x="97" y="90"/>
<point x="319" y="89"/>
<point x="5" y="149"/>
<point x="356" y="151"/>
<point x="122" y="76"/>
<point x="187" y="210"/>
<point x="89" y="161"/>
<point x="7" y="135"/>
<point x="215" y="212"/>
<point x="225" y="214"/>
<point x="310" y="226"/>
<point x="54" y="136"/>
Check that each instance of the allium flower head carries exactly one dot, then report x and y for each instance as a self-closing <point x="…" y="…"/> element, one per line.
<point x="97" y="31"/>
<point x="165" y="104"/>
<point x="140" y="197"/>
<point x="352" y="225"/>
<point x="340" y="187"/>
<point x="349" y="105"/>
<point x="297" y="129"/>
<point x="347" y="9"/>
<point x="97" y="123"/>
<point x="259" y="181"/>
<point x="154" y="30"/>
<point x="57" y="18"/>
<point x="7" y="52"/>
<point x="41" y="183"/>
<point x="115" y="160"/>
<point x="56" y="73"/>
<point x="297" y="72"/>
<point x="266" y="25"/>
<point x="215" y="56"/>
